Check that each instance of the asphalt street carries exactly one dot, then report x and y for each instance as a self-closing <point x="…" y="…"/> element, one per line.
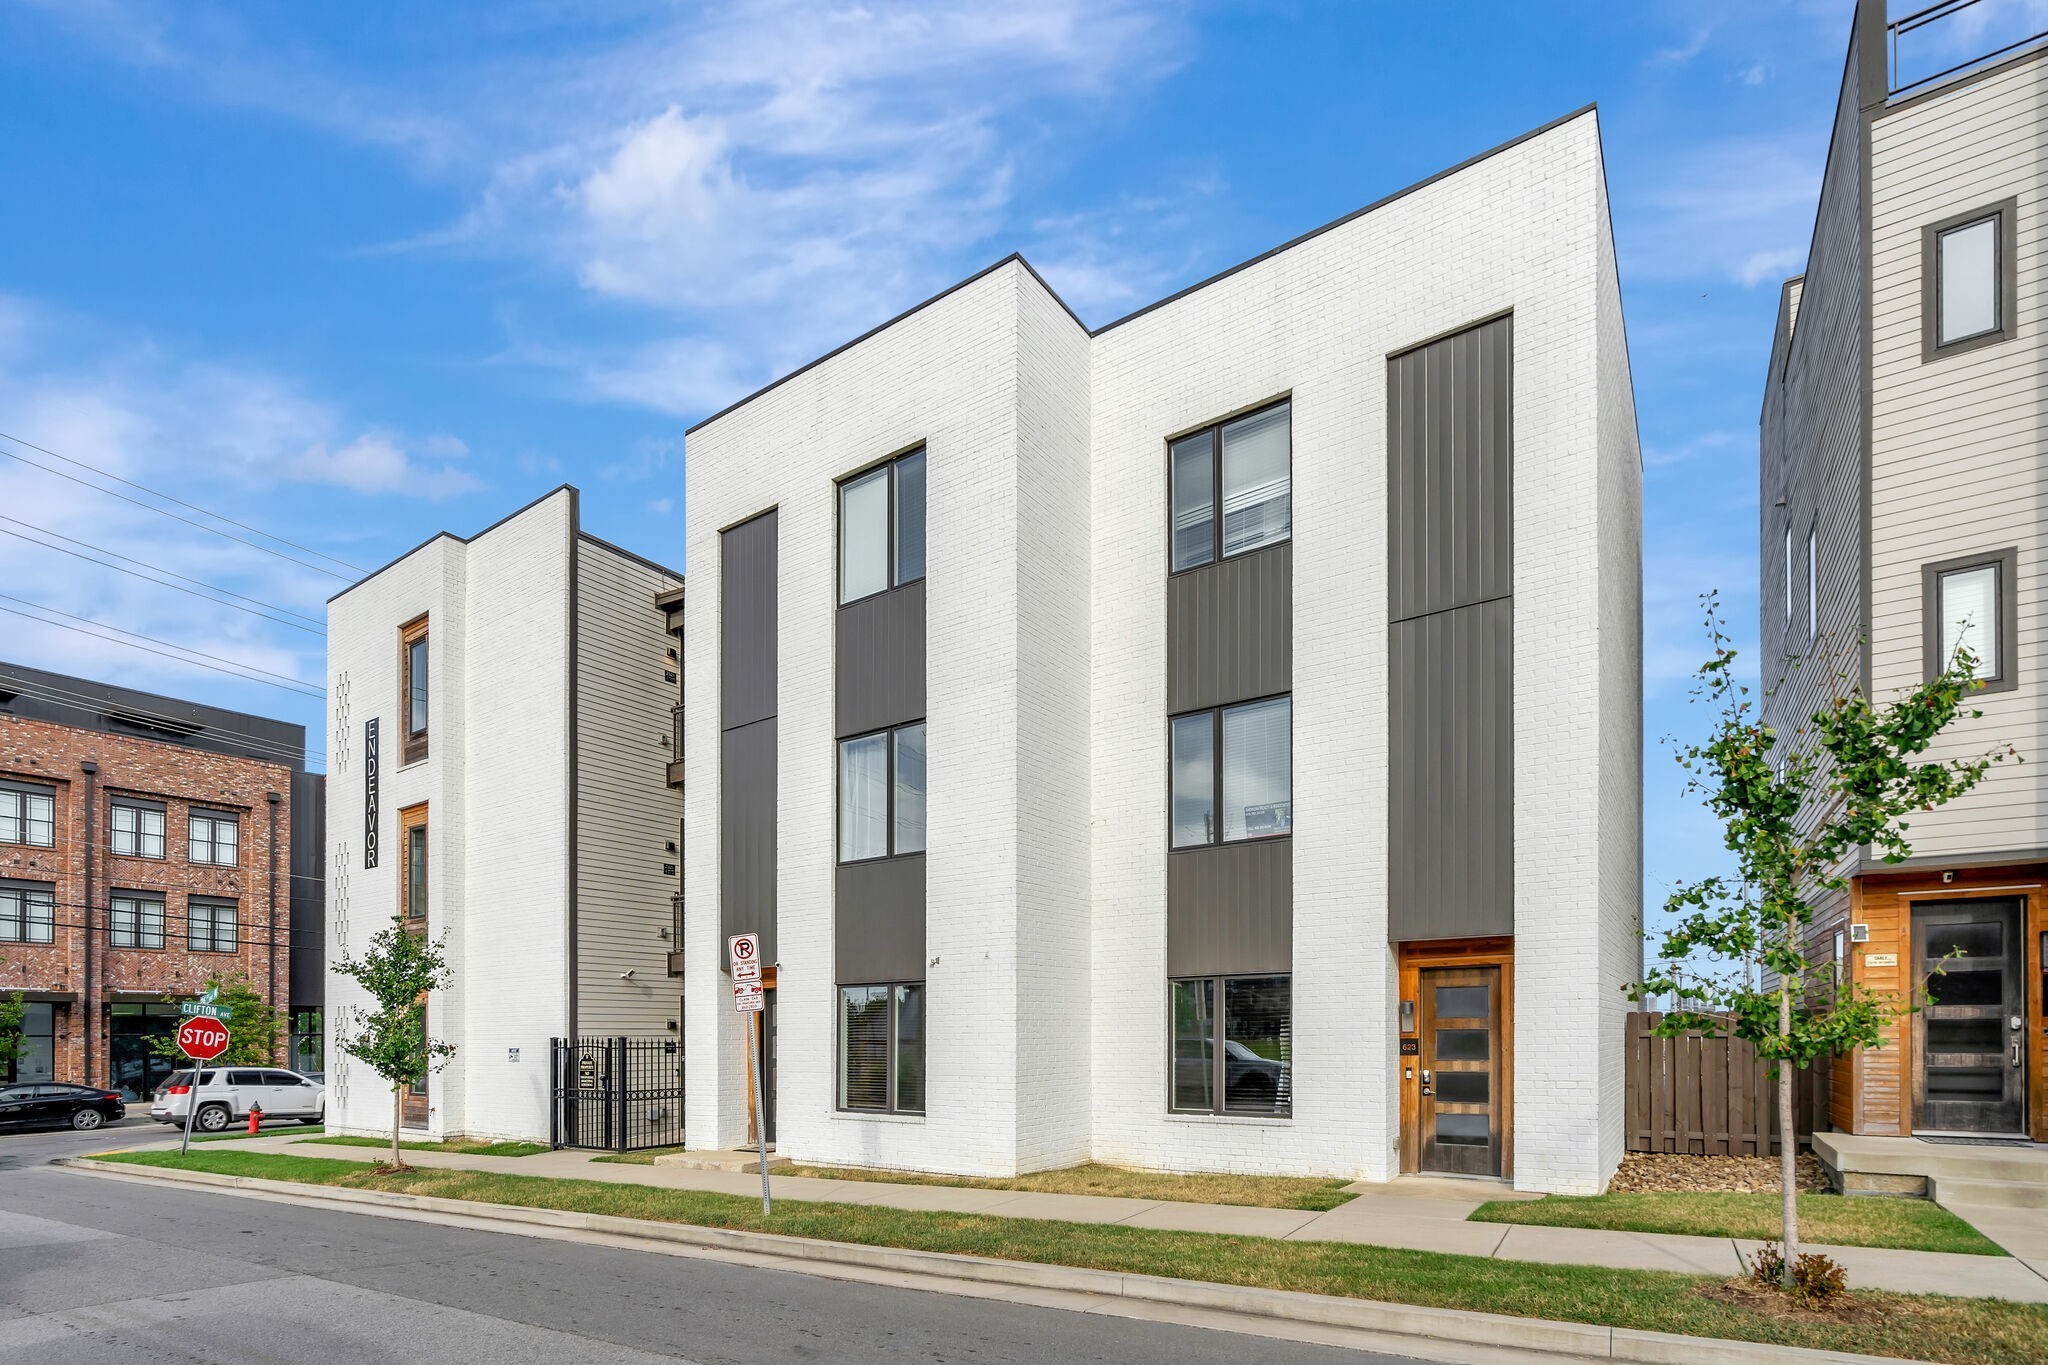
<point x="108" y="1273"/>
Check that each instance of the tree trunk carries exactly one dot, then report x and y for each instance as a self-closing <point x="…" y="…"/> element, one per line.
<point x="397" y="1120"/>
<point x="1788" y="1136"/>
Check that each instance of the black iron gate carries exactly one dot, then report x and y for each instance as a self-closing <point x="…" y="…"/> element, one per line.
<point x="617" y="1094"/>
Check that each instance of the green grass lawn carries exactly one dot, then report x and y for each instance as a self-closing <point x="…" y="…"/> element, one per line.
<point x="1119" y="1182"/>
<point x="1829" y="1219"/>
<point x="1926" y="1327"/>
<point x="465" y="1146"/>
<point x="244" y="1137"/>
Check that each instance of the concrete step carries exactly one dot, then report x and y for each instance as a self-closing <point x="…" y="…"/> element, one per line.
<point x="1988" y="1194"/>
<point x="2027" y="1166"/>
<point x="720" y="1161"/>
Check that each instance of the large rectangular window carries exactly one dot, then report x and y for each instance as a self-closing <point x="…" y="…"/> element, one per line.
<point x="1249" y="793"/>
<point x="137" y="829"/>
<point x="1246" y="466"/>
<point x="881" y="528"/>
<point x="412" y="854"/>
<point x="881" y="1048"/>
<point x="413" y="691"/>
<point x="28" y="815"/>
<point x="1968" y="287"/>
<point x="213" y="837"/>
<point x="210" y="926"/>
<point x="1969" y="605"/>
<point x="28" y="912"/>
<point x="137" y="921"/>
<point x="1233" y="1045"/>
<point x="881" y="794"/>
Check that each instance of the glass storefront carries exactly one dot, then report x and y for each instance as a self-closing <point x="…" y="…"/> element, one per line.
<point x="308" y="1049"/>
<point x="137" y="1068"/>
<point x="37" y="1058"/>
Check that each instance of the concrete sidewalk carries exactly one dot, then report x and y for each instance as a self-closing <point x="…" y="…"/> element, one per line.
<point x="1411" y="1214"/>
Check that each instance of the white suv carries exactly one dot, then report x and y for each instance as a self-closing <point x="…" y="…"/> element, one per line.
<point x="227" y="1094"/>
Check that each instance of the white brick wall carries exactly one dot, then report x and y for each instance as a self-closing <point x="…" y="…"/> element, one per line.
<point x="1047" y="932"/>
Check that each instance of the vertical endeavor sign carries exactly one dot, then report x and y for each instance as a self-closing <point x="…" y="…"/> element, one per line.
<point x="370" y="792"/>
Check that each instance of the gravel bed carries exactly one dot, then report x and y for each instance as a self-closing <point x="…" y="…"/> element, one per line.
<point x="1667" y="1171"/>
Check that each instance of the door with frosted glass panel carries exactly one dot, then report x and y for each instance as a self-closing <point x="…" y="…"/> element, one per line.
<point x="1460" y="1111"/>
<point x="1970" y="1037"/>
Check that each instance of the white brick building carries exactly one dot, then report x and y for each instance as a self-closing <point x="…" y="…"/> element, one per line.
<point x="521" y="683"/>
<point x="970" y="630"/>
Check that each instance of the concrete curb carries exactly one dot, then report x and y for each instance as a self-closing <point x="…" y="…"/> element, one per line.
<point x="807" y="1255"/>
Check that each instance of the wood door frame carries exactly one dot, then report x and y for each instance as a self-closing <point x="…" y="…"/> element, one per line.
<point x="1497" y="951"/>
<point x="2018" y="958"/>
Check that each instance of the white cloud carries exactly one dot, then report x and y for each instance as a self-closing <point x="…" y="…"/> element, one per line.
<point x="375" y="462"/>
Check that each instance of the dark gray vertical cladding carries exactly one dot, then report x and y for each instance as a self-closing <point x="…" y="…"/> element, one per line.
<point x="1230" y="909"/>
<point x="1450" y="636"/>
<point x="308" y="970"/>
<point x="1451" y="818"/>
<point x="746" y="633"/>
<point x="746" y="834"/>
<point x="879" y="928"/>
<point x="1230" y="630"/>
<point x="1450" y="466"/>
<point x="747" y="753"/>
<point x="879" y="660"/>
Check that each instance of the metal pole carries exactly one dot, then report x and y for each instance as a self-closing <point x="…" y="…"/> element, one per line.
<point x="190" y="1110"/>
<point x="760" y="1112"/>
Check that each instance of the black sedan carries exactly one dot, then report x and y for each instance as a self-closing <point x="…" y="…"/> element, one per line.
<point x="46" y="1104"/>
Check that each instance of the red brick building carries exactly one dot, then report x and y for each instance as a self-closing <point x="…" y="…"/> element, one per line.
<point x="145" y="847"/>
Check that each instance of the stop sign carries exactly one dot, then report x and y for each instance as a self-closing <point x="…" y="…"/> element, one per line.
<point x="203" y="1039"/>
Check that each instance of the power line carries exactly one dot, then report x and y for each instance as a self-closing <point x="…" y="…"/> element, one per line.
<point x="354" y="568"/>
<point x="165" y="512"/>
<point x="130" y="559"/>
<point x="297" y="685"/>
<point x="96" y="707"/>
<point x="265" y="616"/>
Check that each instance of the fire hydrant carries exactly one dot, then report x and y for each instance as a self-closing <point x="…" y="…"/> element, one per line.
<point x="255" y="1119"/>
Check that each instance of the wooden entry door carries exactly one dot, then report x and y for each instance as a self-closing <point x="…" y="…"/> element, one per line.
<point x="1970" y="1044"/>
<point x="1459" y="1111"/>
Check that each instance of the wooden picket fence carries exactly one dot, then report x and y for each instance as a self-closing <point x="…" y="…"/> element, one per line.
<point x="1699" y="1095"/>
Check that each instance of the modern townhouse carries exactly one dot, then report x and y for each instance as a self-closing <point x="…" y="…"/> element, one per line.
<point x="1903" y="517"/>
<point x="501" y="715"/>
<point x="148" y="845"/>
<point x="1209" y="742"/>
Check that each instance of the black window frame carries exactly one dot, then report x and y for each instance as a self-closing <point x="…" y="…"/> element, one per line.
<point x="893" y="1055"/>
<point x="212" y="908"/>
<point x="2006" y="562"/>
<point x="1216" y="767"/>
<point x="2004" y="289"/>
<point x="23" y="889"/>
<point x="1214" y="431"/>
<point x="140" y="806"/>
<point x="1219" y="1032"/>
<point x="213" y="819"/>
<point x="24" y="792"/>
<point x="893" y="465"/>
<point x="140" y="901"/>
<point x="839" y="798"/>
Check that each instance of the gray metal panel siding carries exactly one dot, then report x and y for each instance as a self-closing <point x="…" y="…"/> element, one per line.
<point x="879" y="931"/>
<point x="1230" y="909"/>
<point x="879" y="660"/>
<point x="308" y="969"/>
<point x="746" y="621"/>
<point x="1450" y="858"/>
<point x="1230" y="630"/>
<point x="1450" y="464"/>
<point x="746" y="834"/>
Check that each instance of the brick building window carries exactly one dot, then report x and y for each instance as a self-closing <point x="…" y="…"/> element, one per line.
<point x="412" y="698"/>
<point x="210" y="926"/>
<point x="1251" y="461"/>
<point x="881" y="794"/>
<point x="412" y="849"/>
<point x="138" y="921"/>
<point x="28" y="815"/>
<point x="881" y="1048"/>
<point x="28" y="912"/>
<point x="1249" y="794"/>
<point x="137" y="829"/>
<point x="881" y="528"/>
<point x="214" y="837"/>
<point x="1238" y="1059"/>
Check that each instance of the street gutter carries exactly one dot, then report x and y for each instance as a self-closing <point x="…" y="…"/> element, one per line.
<point x="1258" y="1311"/>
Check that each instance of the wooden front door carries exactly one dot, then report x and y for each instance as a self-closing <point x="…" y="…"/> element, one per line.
<point x="1462" y="1035"/>
<point x="1969" y="1044"/>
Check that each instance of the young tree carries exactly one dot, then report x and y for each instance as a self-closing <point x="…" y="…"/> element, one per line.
<point x="253" y="1023"/>
<point x="390" y="1037"/>
<point x="1735" y="956"/>
<point x="13" y="1009"/>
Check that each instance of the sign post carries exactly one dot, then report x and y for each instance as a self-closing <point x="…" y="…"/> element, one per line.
<point x="202" y="1039"/>
<point x="749" y="997"/>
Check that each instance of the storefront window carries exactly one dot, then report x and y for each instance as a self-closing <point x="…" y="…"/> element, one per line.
<point x="37" y="1059"/>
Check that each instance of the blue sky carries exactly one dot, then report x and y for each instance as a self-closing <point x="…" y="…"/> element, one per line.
<point x="356" y="274"/>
